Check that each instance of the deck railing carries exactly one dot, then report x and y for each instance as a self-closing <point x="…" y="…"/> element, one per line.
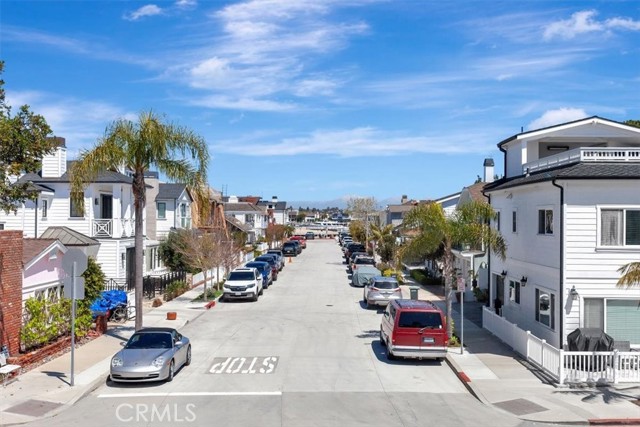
<point x="565" y="366"/>
<point x="583" y="154"/>
<point x="115" y="228"/>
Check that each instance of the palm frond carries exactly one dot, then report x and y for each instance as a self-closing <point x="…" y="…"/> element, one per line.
<point x="630" y="275"/>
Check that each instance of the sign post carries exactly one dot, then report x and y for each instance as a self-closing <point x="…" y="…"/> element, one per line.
<point x="461" y="283"/>
<point x="74" y="263"/>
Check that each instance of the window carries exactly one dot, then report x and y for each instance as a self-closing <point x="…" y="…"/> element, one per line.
<point x="514" y="291"/>
<point x="76" y="209"/>
<point x="545" y="221"/>
<point x="44" y="208"/>
<point x="514" y="221"/>
<point x="1" y="226"/>
<point x="546" y="308"/>
<point x="617" y="317"/>
<point x="497" y="220"/>
<point x="162" y="210"/>
<point x="620" y="227"/>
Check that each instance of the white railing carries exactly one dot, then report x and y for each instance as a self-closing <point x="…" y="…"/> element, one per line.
<point x="113" y="228"/>
<point x="583" y="154"/>
<point x="565" y="366"/>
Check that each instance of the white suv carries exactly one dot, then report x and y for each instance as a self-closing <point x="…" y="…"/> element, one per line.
<point x="243" y="283"/>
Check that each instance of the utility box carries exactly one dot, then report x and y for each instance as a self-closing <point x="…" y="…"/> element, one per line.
<point x="414" y="292"/>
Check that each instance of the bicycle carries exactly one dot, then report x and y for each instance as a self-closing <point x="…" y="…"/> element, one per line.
<point x="121" y="314"/>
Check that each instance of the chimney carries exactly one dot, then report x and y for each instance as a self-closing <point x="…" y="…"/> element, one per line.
<point x="54" y="165"/>
<point x="233" y="199"/>
<point x="404" y="199"/>
<point x="488" y="170"/>
<point x="274" y="199"/>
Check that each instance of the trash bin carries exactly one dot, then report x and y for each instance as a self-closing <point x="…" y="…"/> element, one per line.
<point x="414" y="292"/>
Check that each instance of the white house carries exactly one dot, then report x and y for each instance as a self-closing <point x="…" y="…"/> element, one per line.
<point x="277" y="210"/>
<point x="249" y="214"/>
<point x="569" y="210"/>
<point x="108" y="211"/>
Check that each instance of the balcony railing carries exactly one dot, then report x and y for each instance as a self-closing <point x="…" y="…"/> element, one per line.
<point x="583" y="154"/>
<point x="114" y="228"/>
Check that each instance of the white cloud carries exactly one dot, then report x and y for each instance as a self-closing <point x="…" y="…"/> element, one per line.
<point x="186" y="4"/>
<point x="147" y="10"/>
<point x="81" y="122"/>
<point x="555" y="117"/>
<point x="585" y="22"/>
<point x="358" y="142"/>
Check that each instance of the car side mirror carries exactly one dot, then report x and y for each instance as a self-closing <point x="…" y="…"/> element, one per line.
<point x="179" y="343"/>
<point x="123" y="343"/>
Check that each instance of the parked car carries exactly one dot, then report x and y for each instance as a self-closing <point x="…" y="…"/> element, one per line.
<point x="290" y="249"/>
<point x="415" y="329"/>
<point x="380" y="290"/>
<point x="151" y="354"/>
<point x="352" y="257"/>
<point x="300" y="238"/>
<point x="264" y="268"/>
<point x="275" y="265"/>
<point x="354" y="247"/>
<point x="361" y="276"/>
<point x="279" y="257"/>
<point x="310" y="235"/>
<point x="243" y="283"/>
<point x="298" y="246"/>
<point x="360" y="260"/>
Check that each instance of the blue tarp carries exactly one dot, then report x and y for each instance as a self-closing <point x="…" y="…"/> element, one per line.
<point x="108" y="300"/>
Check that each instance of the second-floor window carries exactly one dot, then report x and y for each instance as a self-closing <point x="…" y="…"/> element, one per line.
<point x="162" y="210"/>
<point x="75" y="210"/>
<point x="249" y="219"/>
<point x="45" y="206"/>
<point x="620" y="227"/>
<point x="514" y="221"/>
<point x="545" y="221"/>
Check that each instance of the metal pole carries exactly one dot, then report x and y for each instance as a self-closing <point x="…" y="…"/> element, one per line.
<point x="73" y="320"/>
<point x="462" y="321"/>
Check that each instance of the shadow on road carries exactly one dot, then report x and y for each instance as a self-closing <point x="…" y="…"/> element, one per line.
<point x="380" y="352"/>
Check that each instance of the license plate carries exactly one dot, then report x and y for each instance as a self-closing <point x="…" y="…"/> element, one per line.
<point x="237" y="293"/>
<point x="427" y="339"/>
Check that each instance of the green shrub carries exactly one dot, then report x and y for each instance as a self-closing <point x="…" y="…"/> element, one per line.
<point x="482" y="295"/>
<point x="212" y="294"/>
<point x="175" y="289"/>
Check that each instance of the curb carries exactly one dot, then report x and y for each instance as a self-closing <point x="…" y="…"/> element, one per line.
<point x="466" y="381"/>
<point x="614" y="421"/>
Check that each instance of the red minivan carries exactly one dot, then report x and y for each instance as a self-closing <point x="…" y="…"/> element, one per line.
<point x="415" y="329"/>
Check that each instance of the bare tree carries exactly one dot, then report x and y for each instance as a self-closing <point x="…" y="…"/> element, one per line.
<point x="198" y="251"/>
<point x="361" y="208"/>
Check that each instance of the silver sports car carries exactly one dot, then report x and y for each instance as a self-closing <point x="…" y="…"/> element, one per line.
<point x="151" y="354"/>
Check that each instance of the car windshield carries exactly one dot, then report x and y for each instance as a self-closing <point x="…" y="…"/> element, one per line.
<point x="149" y="340"/>
<point x="259" y="265"/>
<point x="385" y="285"/>
<point x="241" y="275"/>
<point x="370" y="261"/>
<point x="420" y="319"/>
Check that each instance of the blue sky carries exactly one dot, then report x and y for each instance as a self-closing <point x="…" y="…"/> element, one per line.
<point x="326" y="99"/>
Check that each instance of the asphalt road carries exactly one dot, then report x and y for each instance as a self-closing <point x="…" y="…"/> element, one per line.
<point x="306" y="354"/>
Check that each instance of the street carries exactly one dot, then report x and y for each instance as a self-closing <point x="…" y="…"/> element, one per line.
<point x="306" y="354"/>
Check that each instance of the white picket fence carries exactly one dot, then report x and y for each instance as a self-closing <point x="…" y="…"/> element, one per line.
<point x="565" y="366"/>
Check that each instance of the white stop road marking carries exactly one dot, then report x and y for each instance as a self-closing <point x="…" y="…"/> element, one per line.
<point x="244" y="365"/>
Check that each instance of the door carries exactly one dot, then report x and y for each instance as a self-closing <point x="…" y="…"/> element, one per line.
<point x="499" y="293"/>
<point x="106" y="206"/>
<point x="131" y="268"/>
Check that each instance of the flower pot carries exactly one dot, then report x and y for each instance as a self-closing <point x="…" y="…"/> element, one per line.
<point x="172" y="315"/>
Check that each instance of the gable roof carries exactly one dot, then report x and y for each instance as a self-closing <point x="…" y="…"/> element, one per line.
<point x="578" y="171"/>
<point x="170" y="191"/>
<point x="279" y="206"/>
<point x="567" y="125"/>
<point x="110" y="177"/>
<point x="68" y="237"/>
<point x="475" y="192"/>
<point x="243" y="207"/>
<point x="32" y="248"/>
<point x="237" y="224"/>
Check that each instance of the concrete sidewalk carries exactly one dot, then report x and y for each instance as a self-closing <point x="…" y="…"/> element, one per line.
<point x="45" y="390"/>
<point x="501" y="378"/>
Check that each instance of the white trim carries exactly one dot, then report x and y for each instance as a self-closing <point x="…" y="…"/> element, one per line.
<point x="44" y="253"/>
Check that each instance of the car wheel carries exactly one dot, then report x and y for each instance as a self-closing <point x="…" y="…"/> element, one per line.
<point x="390" y="355"/>
<point x="187" y="361"/>
<point x="172" y="368"/>
<point x="261" y="291"/>
<point x="255" y="297"/>
<point x="382" y="341"/>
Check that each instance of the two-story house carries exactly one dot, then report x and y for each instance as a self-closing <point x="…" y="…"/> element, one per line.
<point x="249" y="214"/>
<point x="277" y="210"/>
<point x="107" y="217"/>
<point x="569" y="210"/>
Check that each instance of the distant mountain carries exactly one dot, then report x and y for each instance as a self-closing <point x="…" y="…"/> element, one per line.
<point x="340" y="203"/>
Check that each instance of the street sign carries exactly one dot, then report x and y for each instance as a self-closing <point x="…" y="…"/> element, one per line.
<point x="460" y="284"/>
<point x="79" y="258"/>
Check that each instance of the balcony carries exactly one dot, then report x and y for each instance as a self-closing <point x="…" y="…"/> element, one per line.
<point x="112" y="228"/>
<point x="583" y="154"/>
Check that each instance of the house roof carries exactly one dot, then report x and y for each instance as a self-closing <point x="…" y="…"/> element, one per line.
<point x="592" y="119"/>
<point x="243" y="207"/>
<point x="31" y="248"/>
<point x="110" y="177"/>
<point x="578" y="171"/>
<point x="68" y="237"/>
<point x="279" y="206"/>
<point x="170" y="191"/>
<point x="475" y="191"/>
<point x="237" y="224"/>
<point x="405" y="207"/>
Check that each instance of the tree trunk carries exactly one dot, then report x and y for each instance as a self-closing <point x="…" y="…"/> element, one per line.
<point x="205" y="297"/>
<point x="139" y="202"/>
<point x="448" y="277"/>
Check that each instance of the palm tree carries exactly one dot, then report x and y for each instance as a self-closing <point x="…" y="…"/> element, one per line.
<point x="138" y="147"/>
<point x="468" y="225"/>
<point x="630" y="275"/>
<point x="385" y="241"/>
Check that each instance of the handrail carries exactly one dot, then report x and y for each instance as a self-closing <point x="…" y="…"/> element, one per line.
<point x="583" y="154"/>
